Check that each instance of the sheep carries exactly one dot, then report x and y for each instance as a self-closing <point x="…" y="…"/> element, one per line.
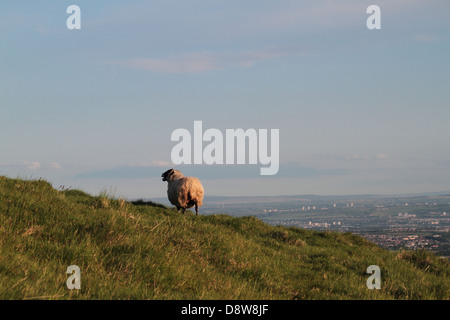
<point x="183" y="192"/>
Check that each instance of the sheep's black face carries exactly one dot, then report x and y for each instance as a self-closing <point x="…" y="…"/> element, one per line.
<point x="166" y="175"/>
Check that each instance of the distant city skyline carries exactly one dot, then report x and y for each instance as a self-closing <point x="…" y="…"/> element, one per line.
<point x="358" y="111"/>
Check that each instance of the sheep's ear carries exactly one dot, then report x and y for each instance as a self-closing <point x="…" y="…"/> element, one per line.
<point x="167" y="173"/>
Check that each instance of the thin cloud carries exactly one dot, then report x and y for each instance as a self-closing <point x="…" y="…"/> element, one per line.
<point x="31" y="166"/>
<point x="348" y="161"/>
<point x="54" y="166"/>
<point x="201" y="62"/>
<point x="362" y="157"/>
<point x="426" y="38"/>
<point x="381" y="156"/>
<point x="354" y="156"/>
<point x="34" y="165"/>
<point x="153" y="163"/>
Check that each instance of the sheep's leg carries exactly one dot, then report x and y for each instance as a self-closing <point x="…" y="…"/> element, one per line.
<point x="184" y="210"/>
<point x="196" y="209"/>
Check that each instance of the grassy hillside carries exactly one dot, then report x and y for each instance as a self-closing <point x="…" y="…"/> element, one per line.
<point x="148" y="251"/>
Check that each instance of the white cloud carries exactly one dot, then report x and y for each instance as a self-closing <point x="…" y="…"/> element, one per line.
<point x="32" y="165"/>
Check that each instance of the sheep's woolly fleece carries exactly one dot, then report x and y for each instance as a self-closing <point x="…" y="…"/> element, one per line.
<point x="183" y="192"/>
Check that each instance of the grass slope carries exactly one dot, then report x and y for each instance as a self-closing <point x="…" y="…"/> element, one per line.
<point x="148" y="251"/>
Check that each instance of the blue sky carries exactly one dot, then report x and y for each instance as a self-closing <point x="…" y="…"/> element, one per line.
<point x="359" y="111"/>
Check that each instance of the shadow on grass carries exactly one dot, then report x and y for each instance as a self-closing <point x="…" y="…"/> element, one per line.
<point x="141" y="202"/>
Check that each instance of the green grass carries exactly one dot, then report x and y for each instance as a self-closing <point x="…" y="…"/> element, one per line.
<point x="144" y="250"/>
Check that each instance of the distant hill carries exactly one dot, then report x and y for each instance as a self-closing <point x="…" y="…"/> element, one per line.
<point x="214" y="200"/>
<point x="144" y="250"/>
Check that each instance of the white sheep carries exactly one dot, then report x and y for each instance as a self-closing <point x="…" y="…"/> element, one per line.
<point x="183" y="192"/>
